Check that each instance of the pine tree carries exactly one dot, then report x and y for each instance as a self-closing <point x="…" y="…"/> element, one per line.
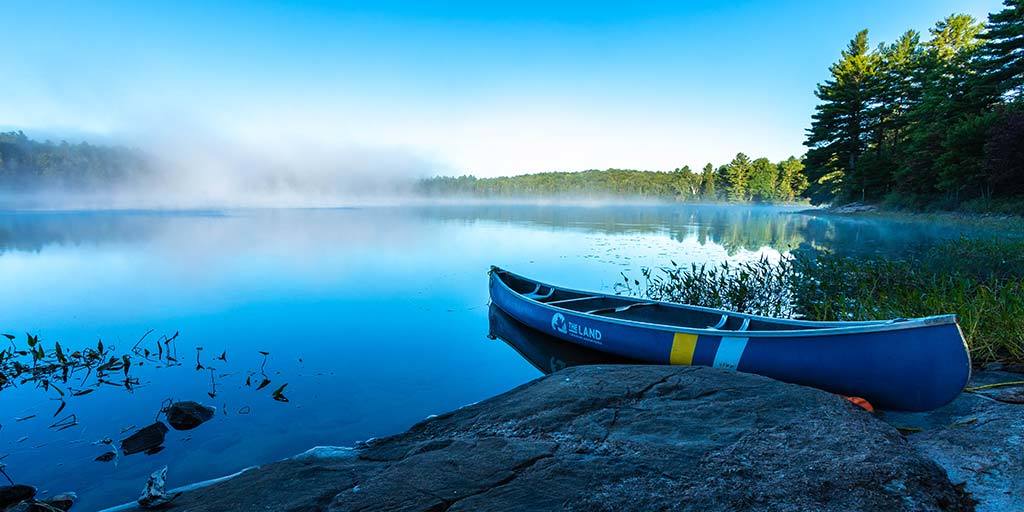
<point x="933" y="162"/>
<point x="897" y="91"/>
<point x="707" y="185"/>
<point x="737" y="178"/>
<point x="1001" y="58"/>
<point x="842" y="122"/>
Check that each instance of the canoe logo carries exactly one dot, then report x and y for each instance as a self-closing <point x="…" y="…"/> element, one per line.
<point x="558" y="323"/>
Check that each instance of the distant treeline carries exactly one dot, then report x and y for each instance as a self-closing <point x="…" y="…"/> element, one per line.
<point x="742" y="179"/>
<point x="28" y="164"/>
<point x="925" y="123"/>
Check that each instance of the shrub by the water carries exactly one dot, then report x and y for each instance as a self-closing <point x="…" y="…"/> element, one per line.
<point x="981" y="281"/>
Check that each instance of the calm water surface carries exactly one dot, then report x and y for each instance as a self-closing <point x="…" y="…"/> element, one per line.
<point x="375" y="317"/>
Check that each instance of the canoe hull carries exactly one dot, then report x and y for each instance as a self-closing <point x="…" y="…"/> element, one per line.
<point x="913" y="369"/>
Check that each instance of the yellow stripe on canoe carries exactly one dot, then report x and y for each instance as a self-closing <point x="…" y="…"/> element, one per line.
<point x="683" y="346"/>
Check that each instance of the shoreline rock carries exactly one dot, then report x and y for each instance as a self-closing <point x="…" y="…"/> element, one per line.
<point x="615" y="438"/>
<point x="978" y="439"/>
<point x="188" y="415"/>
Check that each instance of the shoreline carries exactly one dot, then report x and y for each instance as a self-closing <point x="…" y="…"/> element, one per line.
<point x="874" y="212"/>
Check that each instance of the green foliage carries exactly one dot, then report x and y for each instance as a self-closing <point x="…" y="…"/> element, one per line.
<point x="981" y="281"/>
<point x="792" y="180"/>
<point x="840" y="126"/>
<point x="763" y="180"/>
<point x="27" y="164"/>
<point x="760" y="287"/>
<point x="737" y="178"/>
<point x="707" y="186"/>
<point x="918" y="122"/>
<point x="1001" y="58"/>
<point x="741" y="180"/>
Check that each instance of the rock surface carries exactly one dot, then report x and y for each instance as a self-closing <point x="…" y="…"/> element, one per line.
<point x="62" y="501"/>
<point x="14" y="494"/>
<point x="978" y="439"/>
<point x="188" y="415"/>
<point x="853" y="208"/>
<point x="600" y="438"/>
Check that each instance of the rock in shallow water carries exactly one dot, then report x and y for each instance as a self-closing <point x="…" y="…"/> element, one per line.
<point x="149" y="439"/>
<point x="188" y="415"/>
<point x="155" y="494"/>
<point x="616" y="438"/>
<point x="63" y="501"/>
<point x="14" y="494"/>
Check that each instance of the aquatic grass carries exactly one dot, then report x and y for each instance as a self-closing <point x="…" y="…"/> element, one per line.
<point x="981" y="281"/>
<point x="63" y="374"/>
<point x="760" y="286"/>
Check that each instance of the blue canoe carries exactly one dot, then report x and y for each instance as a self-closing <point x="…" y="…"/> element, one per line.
<point x="904" y="364"/>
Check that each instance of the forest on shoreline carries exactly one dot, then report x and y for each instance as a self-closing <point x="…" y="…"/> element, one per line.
<point x="27" y="164"/>
<point x="741" y="180"/>
<point x="918" y="124"/>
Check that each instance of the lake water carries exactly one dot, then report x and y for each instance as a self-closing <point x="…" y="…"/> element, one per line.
<point x="374" y="317"/>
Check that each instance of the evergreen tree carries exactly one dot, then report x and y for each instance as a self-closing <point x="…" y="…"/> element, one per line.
<point x="1004" y="153"/>
<point x="842" y="122"/>
<point x="933" y="163"/>
<point x="897" y="90"/>
<point x="737" y="178"/>
<point x="1001" y="59"/>
<point x="708" y="182"/>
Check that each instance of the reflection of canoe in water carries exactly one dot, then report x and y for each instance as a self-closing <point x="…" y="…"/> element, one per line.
<point x="916" y="364"/>
<point x="544" y="351"/>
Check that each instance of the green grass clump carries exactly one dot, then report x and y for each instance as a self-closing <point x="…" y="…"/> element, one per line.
<point x="981" y="281"/>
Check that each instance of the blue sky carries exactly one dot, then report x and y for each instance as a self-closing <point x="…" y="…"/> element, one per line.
<point x="483" y="87"/>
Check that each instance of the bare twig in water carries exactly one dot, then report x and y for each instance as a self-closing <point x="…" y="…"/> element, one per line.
<point x="213" y="385"/>
<point x="3" y="471"/>
<point x="65" y="423"/>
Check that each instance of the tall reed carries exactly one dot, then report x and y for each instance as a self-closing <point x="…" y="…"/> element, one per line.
<point x="981" y="281"/>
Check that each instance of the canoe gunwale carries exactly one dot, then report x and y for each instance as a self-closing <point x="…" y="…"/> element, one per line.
<point x="816" y="328"/>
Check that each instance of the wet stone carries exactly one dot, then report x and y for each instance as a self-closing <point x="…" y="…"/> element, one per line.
<point x="106" y="457"/>
<point x="155" y="495"/>
<point x="148" y="439"/>
<point x="188" y="415"/>
<point x="63" y="501"/>
<point x="14" y="494"/>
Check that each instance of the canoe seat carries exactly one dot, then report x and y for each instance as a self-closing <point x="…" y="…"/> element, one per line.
<point x="620" y="309"/>
<point x="539" y="296"/>
<point x="563" y="301"/>
<point x="536" y="295"/>
<point x="721" y="322"/>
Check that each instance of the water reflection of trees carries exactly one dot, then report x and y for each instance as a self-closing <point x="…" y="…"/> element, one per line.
<point x="32" y="231"/>
<point x="734" y="227"/>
